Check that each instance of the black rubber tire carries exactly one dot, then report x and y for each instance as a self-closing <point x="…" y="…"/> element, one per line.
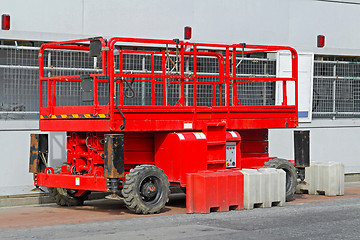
<point x="135" y="200"/>
<point x="291" y="175"/>
<point x="65" y="197"/>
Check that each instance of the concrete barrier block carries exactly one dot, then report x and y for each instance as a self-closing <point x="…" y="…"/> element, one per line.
<point x="253" y="188"/>
<point x="208" y="191"/>
<point x="265" y="187"/>
<point x="274" y="182"/>
<point x="326" y="178"/>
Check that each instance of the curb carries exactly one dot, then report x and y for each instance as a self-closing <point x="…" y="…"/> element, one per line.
<point x="352" y="177"/>
<point x="37" y="199"/>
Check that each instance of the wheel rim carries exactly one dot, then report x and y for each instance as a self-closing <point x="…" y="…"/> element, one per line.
<point x="150" y="190"/>
<point x="72" y="192"/>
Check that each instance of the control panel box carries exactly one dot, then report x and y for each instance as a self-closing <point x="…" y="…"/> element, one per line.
<point x="230" y="154"/>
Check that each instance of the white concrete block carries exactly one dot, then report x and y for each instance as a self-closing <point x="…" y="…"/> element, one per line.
<point x="324" y="178"/>
<point x="274" y="181"/>
<point x="265" y="187"/>
<point x="253" y="188"/>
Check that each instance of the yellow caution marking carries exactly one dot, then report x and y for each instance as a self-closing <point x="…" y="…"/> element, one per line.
<point x="73" y="116"/>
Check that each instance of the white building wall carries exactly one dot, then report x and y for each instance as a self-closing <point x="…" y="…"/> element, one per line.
<point x="330" y="140"/>
<point x="14" y="148"/>
<point x="277" y="22"/>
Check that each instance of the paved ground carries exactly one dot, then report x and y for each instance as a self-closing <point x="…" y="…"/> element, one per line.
<point x="308" y="217"/>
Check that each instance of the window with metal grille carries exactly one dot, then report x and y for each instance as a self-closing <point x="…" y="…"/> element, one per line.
<point x="18" y="82"/>
<point x="336" y="88"/>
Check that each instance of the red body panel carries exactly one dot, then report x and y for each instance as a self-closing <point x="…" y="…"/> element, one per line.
<point x="82" y="182"/>
<point x="180" y="153"/>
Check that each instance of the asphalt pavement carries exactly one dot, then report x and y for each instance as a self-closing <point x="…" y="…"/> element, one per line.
<point x="308" y="217"/>
<point x="338" y="219"/>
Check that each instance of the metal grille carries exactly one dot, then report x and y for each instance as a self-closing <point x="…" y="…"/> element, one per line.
<point x="336" y="89"/>
<point x="19" y="82"/>
<point x="66" y="63"/>
<point x="19" y="79"/>
<point x="257" y="93"/>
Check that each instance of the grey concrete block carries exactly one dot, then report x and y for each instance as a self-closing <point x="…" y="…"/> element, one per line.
<point x="325" y="178"/>
<point x="265" y="187"/>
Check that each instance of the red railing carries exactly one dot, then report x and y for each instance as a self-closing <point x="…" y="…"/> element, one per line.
<point x="118" y="78"/>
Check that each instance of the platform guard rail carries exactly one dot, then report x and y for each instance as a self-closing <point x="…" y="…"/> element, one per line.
<point x="172" y="82"/>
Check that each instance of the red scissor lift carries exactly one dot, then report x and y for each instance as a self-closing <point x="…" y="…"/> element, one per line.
<point x="136" y="148"/>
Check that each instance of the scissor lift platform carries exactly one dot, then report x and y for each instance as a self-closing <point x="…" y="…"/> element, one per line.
<point x="136" y="103"/>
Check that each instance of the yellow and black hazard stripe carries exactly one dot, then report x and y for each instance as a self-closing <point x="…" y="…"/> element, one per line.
<point x="74" y="116"/>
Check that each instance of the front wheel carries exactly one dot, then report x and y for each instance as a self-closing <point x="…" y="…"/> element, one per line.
<point x="291" y="175"/>
<point x="146" y="189"/>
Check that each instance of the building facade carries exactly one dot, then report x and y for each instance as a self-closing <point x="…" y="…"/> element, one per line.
<point x="329" y="77"/>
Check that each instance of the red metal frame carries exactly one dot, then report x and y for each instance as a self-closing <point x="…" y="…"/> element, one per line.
<point x="165" y="117"/>
<point x="90" y="122"/>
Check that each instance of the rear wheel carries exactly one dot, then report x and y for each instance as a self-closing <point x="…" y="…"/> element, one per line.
<point x="291" y="176"/>
<point x="146" y="189"/>
<point x="68" y="197"/>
